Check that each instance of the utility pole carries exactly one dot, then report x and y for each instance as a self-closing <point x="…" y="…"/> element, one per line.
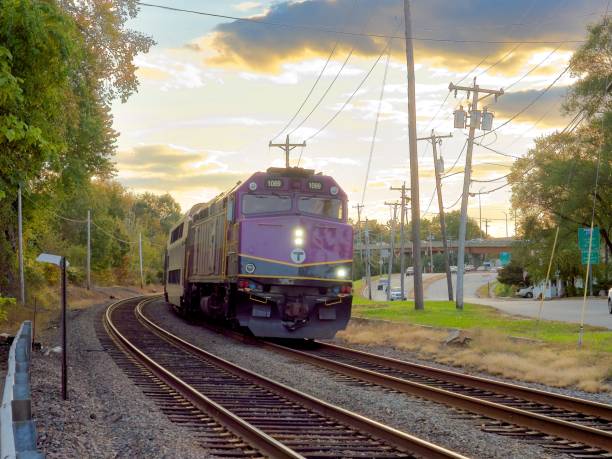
<point x="414" y="164"/>
<point x="140" y="255"/>
<point x="20" y="231"/>
<point x="402" y="238"/>
<point x="475" y="122"/>
<point x="506" y="215"/>
<point x="359" y="207"/>
<point x="88" y="249"/>
<point x="368" y="274"/>
<point x="391" y="246"/>
<point x="487" y="227"/>
<point x="430" y="253"/>
<point x="438" y="170"/>
<point x="287" y="147"/>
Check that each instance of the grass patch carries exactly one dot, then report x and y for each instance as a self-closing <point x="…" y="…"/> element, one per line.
<point x="550" y="356"/>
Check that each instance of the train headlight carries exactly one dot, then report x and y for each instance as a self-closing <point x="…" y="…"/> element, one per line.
<point x="334" y="190"/>
<point x="341" y="272"/>
<point x="252" y="186"/>
<point x="298" y="237"/>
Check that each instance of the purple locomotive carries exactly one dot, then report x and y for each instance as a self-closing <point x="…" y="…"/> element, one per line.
<point x="273" y="254"/>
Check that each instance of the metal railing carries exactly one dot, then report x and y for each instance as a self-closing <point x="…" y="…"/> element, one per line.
<point x="17" y="429"/>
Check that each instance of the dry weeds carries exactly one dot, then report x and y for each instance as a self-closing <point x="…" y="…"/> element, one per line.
<point x="492" y="352"/>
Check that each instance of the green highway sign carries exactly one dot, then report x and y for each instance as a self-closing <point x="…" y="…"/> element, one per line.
<point x="504" y="258"/>
<point x="585" y="259"/>
<point x="584" y="240"/>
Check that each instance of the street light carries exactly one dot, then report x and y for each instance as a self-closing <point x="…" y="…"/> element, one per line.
<point x="62" y="263"/>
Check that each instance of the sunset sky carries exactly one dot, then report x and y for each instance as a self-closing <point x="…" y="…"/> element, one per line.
<point x="213" y="92"/>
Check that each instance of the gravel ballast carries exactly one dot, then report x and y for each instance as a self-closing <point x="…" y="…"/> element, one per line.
<point x="106" y="415"/>
<point x="430" y="421"/>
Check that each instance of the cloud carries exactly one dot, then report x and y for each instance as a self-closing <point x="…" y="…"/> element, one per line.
<point x="265" y="47"/>
<point x="246" y="6"/>
<point x="547" y="109"/>
<point x="163" y="167"/>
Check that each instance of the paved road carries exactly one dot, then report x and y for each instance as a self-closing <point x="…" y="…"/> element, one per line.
<point x="565" y="309"/>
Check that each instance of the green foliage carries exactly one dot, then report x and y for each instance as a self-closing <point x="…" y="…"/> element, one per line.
<point x="553" y="186"/>
<point x="503" y="290"/>
<point x="511" y="274"/>
<point x="5" y="303"/>
<point x="62" y="64"/>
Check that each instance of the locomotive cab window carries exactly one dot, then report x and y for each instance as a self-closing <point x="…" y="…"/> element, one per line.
<point x="326" y="207"/>
<point x="176" y="234"/>
<point x="265" y="203"/>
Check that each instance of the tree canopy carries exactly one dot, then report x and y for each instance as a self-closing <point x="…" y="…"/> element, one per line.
<point x="554" y="184"/>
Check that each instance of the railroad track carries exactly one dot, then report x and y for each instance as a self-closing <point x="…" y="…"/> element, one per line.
<point x="272" y="419"/>
<point x="570" y="425"/>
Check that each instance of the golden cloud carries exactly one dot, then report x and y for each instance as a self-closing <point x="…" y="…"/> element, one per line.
<point x="473" y="30"/>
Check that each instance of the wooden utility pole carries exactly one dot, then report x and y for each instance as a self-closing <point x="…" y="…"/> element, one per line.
<point x="368" y="273"/>
<point x="402" y="238"/>
<point x="287" y="147"/>
<point x="391" y="245"/>
<point x="438" y="169"/>
<point x="140" y="255"/>
<point x="88" y="249"/>
<point x="359" y="207"/>
<point x="475" y="118"/>
<point x="414" y="164"/>
<point x="20" y="236"/>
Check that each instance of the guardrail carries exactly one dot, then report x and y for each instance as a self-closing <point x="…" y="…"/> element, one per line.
<point x="17" y="429"/>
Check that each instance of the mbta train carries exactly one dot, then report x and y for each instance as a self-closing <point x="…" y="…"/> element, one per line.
<point x="273" y="255"/>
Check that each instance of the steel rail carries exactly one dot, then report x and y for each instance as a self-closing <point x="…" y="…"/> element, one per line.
<point x="393" y="436"/>
<point x="542" y="423"/>
<point x="579" y="405"/>
<point x="257" y="438"/>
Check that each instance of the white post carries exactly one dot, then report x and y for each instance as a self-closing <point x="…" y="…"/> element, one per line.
<point x="20" y="230"/>
<point x="88" y="249"/>
<point x="140" y="256"/>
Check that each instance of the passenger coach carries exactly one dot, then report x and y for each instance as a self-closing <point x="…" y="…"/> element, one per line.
<point x="273" y="254"/>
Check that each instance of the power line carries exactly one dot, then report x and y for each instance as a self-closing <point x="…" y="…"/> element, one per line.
<point x="382" y="93"/>
<point x="323" y="95"/>
<point x="344" y="32"/>
<point x="352" y="94"/>
<point x="526" y="107"/>
<point x="309" y="92"/>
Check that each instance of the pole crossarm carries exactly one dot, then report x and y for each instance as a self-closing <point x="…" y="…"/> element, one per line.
<point x="475" y="87"/>
<point x="286" y="147"/>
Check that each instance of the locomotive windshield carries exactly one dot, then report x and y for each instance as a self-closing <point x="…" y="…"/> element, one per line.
<point x="265" y="203"/>
<point x="326" y="207"/>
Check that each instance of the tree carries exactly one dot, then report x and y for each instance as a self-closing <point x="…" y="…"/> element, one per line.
<point x="61" y="66"/>
<point x="554" y="185"/>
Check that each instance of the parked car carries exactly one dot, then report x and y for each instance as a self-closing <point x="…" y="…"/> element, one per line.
<point x="610" y="300"/>
<point x="410" y="271"/>
<point x="487" y="265"/>
<point x="453" y="269"/>
<point x="470" y="267"/>
<point x="396" y="294"/>
<point x="525" y="292"/>
<point x="383" y="284"/>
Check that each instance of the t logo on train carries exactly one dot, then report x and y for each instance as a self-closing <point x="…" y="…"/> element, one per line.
<point x="274" y="255"/>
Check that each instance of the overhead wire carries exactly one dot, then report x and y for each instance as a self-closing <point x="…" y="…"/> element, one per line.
<point x="309" y="92"/>
<point x="382" y="93"/>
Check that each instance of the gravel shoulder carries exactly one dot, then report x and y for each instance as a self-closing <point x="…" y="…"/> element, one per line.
<point x="427" y="420"/>
<point x="106" y="415"/>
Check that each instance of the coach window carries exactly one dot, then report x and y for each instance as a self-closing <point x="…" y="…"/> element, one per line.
<point x="326" y="207"/>
<point x="265" y="203"/>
